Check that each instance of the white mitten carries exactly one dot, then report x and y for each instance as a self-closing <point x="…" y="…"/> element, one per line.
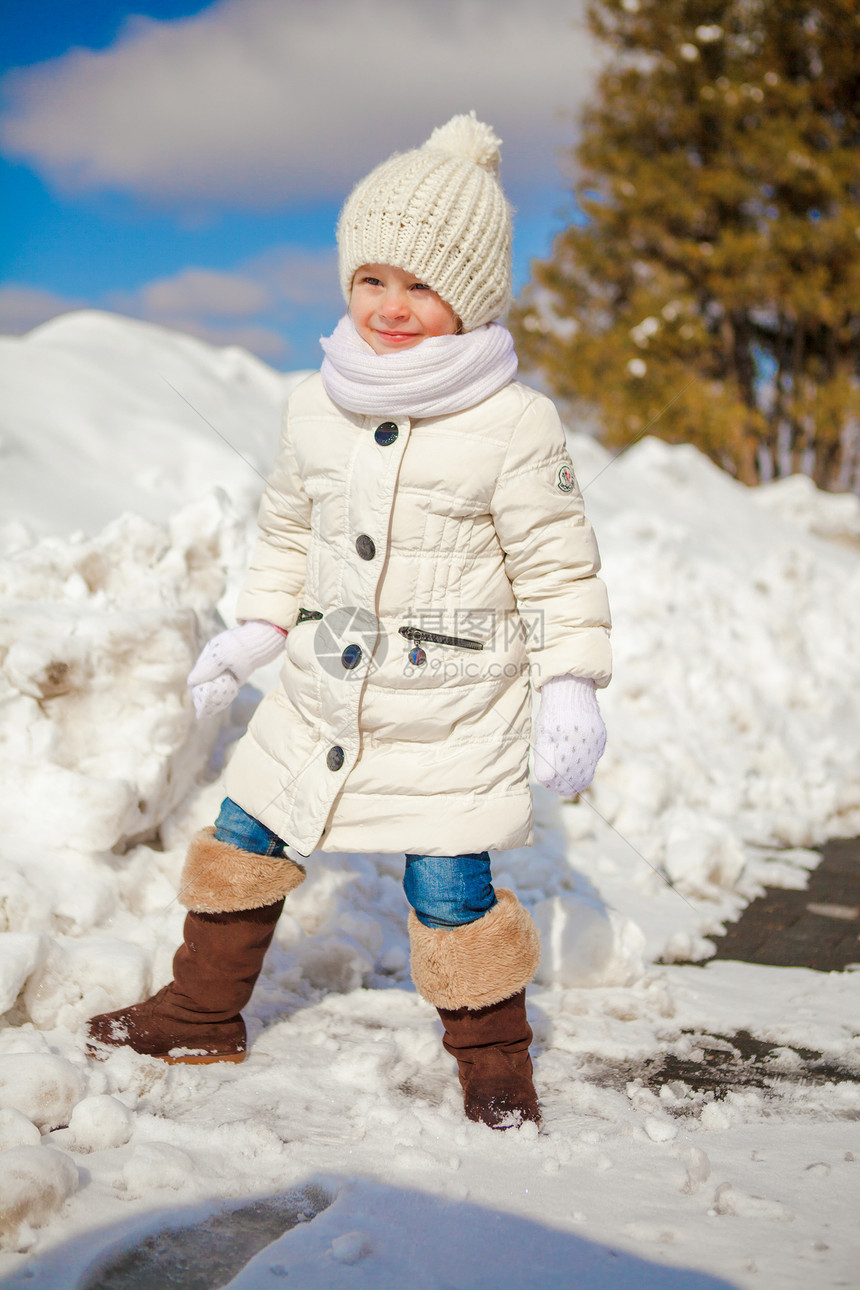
<point x="227" y="661"/>
<point x="569" y="736"/>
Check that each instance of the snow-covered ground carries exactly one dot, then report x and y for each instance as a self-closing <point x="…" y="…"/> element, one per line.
<point x="131" y="461"/>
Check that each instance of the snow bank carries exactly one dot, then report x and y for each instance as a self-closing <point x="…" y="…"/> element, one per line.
<point x="98" y="740"/>
<point x="103" y="414"/>
<point x="98" y="744"/>
<point x="829" y="515"/>
<point x="734" y="711"/>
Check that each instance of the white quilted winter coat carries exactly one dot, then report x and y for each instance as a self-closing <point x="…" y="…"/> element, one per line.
<point x="468" y="526"/>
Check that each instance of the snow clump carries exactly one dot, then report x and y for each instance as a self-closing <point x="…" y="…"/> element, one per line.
<point x="34" y="1184"/>
<point x="584" y="943"/>
<point x="20" y="954"/>
<point x="16" y="1130"/>
<point x="41" y="1086"/>
<point x="99" y="1123"/>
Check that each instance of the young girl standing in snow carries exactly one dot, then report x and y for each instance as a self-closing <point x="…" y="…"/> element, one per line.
<point x="423" y="550"/>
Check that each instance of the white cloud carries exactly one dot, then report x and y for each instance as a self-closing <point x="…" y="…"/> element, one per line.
<point x="22" y="308"/>
<point x="262" y="341"/>
<point x="261" y="103"/>
<point x="253" y="306"/>
<point x="205" y="291"/>
<point x="257" y="305"/>
<point x="300" y="278"/>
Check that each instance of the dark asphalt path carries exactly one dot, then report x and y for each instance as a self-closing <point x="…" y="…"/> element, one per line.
<point x="817" y="928"/>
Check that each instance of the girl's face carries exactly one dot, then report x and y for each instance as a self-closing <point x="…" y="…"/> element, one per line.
<point x="392" y="309"/>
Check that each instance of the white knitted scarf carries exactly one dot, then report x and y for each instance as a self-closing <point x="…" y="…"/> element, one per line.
<point x="443" y="374"/>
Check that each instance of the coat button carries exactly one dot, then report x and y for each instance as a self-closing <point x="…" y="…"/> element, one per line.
<point x="351" y="656"/>
<point x="334" y="758"/>
<point x="386" y="433"/>
<point x="365" y="546"/>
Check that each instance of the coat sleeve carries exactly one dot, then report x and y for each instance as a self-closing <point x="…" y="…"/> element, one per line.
<point x="276" y="576"/>
<point x="551" y="555"/>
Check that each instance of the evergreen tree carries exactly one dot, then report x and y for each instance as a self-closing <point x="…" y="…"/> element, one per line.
<point x="711" y="293"/>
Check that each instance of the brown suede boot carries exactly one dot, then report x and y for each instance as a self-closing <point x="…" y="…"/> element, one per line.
<point x="475" y="976"/>
<point x="195" y="1019"/>
<point x="235" y="899"/>
<point x="492" y="1050"/>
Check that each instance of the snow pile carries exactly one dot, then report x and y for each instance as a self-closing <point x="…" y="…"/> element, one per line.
<point x="98" y="743"/>
<point x="97" y="635"/>
<point x="829" y="515"/>
<point x="734" y="714"/>
<point x="104" y="414"/>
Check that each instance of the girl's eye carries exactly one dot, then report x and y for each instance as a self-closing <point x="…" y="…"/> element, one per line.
<point x="420" y="286"/>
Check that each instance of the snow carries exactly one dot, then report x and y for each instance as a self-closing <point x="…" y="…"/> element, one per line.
<point x="733" y="719"/>
<point x="40" y="1086"/>
<point x="585" y="944"/>
<point x="94" y="408"/>
<point x="829" y="515"/>
<point x="99" y="1123"/>
<point x="34" y="1184"/>
<point x="156" y="1165"/>
<point x="16" y="1130"/>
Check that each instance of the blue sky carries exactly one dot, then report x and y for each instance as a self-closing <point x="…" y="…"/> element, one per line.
<point x="185" y="163"/>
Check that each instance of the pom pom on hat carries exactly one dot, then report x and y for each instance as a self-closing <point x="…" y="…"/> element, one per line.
<point x="467" y="137"/>
<point x="438" y="212"/>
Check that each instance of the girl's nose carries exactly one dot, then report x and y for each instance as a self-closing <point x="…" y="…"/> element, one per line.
<point x="394" y="305"/>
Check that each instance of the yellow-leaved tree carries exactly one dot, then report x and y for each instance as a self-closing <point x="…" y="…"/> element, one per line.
<point x="710" y="290"/>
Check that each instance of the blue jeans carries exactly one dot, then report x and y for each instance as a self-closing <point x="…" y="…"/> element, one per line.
<point x="447" y="891"/>
<point x="444" y="891"/>
<point x="241" y="830"/>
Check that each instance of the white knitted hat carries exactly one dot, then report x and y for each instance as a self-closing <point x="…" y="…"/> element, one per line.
<point x="438" y="212"/>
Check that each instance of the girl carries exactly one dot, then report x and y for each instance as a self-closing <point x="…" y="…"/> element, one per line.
<point x="423" y="550"/>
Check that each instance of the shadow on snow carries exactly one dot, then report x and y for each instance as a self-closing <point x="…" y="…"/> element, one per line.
<point x="345" y="1234"/>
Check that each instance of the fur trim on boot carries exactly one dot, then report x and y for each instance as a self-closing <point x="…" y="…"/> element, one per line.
<point x="480" y="963"/>
<point x="219" y="878"/>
